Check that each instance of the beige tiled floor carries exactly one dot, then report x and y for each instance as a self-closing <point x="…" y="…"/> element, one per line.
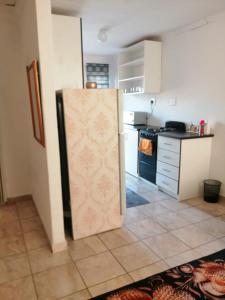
<point x="155" y="237"/>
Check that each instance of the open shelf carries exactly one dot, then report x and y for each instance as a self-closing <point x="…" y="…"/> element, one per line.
<point x="134" y="93"/>
<point x="139" y="68"/>
<point x="134" y="62"/>
<point x="132" y="78"/>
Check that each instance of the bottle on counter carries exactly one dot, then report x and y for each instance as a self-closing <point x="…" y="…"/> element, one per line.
<point x="194" y="127"/>
<point x="202" y="124"/>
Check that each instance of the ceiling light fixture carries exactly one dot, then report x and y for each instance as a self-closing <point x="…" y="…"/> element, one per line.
<point x="102" y="35"/>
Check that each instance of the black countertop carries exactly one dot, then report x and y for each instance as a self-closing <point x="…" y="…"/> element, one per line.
<point x="184" y="135"/>
<point x="171" y="134"/>
<point x="136" y="127"/>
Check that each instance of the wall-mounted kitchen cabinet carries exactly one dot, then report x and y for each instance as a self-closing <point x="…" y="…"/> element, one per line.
<point x="139" y="68"/>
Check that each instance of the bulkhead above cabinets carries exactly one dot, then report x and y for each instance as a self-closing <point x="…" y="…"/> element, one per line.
<point x="139" y="68"/>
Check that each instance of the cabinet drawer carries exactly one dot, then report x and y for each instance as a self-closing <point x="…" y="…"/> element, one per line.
<point x="168" y="170"/>
<point x="169" y="157"/>
<point x="169" y="144"/>
<point x="167" y="183"/>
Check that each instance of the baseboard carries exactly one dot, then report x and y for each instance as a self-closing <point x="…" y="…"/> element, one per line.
<point x="59" y="247"/>
<point x="19" y="198"/>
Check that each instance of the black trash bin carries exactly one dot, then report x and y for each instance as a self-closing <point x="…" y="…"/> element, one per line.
<point x="211" y="190"/>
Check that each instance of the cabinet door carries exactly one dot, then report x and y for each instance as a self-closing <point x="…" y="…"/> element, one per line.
<point x="131" y="151"/>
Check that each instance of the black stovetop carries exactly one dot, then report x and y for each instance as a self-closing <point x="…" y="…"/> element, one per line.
<point x="154" y="130"/>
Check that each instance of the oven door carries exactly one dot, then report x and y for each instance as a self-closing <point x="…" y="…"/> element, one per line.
<point x="147" y="163"/>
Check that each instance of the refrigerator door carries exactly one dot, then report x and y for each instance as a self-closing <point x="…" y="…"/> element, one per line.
<point x="93" y="150"/>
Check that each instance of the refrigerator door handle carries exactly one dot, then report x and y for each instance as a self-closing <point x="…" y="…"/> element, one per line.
<point x="121" y="139"/>
<point x="122" y="174"/>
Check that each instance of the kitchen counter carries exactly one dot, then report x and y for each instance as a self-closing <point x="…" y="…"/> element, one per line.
<point x="184" y="135"/>
<point x="135" y="127"/>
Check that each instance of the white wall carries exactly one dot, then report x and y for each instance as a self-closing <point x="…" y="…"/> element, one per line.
<point x="67" y="52"/>
<point x="13" y="111"/>
<point x="194" y="72"/>
<point x="36" y="42"/>
<point x="101" y="59"/>
<point x="27" y="166"/>
<point x="137" y="103"/>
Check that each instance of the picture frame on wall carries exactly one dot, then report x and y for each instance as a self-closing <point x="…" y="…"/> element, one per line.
<point x="35" y="102"/>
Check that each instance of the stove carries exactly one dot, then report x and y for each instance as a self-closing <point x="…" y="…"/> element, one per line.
<point x="153" y="131"/>
<point x="147" y="163"/>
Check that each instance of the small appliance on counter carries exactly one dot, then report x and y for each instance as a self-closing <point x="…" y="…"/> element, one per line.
<point x="135" y="117"/>
<point x="200" y="127"/>
<point x="147" y="163"/>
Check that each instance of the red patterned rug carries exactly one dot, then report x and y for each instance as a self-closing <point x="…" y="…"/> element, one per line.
<point x="203" y="278"/>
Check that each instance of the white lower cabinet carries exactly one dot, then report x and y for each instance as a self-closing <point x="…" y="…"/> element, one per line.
<point x="183" y="165"/>
<point x="168" y="170"/>
<point x="167" y="183"/>
<point x="169" y="157"/>
<point x="131" y="151"/>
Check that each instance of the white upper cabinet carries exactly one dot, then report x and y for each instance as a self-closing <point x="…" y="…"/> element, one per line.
<point x="139" y="68"/>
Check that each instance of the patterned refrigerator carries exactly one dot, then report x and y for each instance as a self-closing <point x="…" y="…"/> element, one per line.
<point x="91" y="144"/>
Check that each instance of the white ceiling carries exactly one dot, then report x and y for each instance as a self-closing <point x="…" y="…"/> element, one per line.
<point x="132" y="20"/>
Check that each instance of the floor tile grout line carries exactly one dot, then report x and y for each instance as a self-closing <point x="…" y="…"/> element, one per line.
<point x="160" y="258"/>
<point x="164" y="226"/>
<point x="91" y="286"/>
<point x="61" y="298"/>
<point x="177" y="211"/>
<point x="50" y="268"/>
<point x="85" y="257"/>
<point x="126" y="272"/>
<point x="81" y="276"/>
<point x="115" y="257"/>
<point x="35" y="273"/>
<point x="127" y="243"/>
<point x="28" y="258"/>
<point x="198" y="245"/>
<point x="12" y="280"/>
<point x="170" y="231"/>
<point x="137" y="268"/>
<point x="112" y="253"/>
<point x="216" y="238"/>
<point x="102" y="282"/>
<point x="163" y="234"/>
